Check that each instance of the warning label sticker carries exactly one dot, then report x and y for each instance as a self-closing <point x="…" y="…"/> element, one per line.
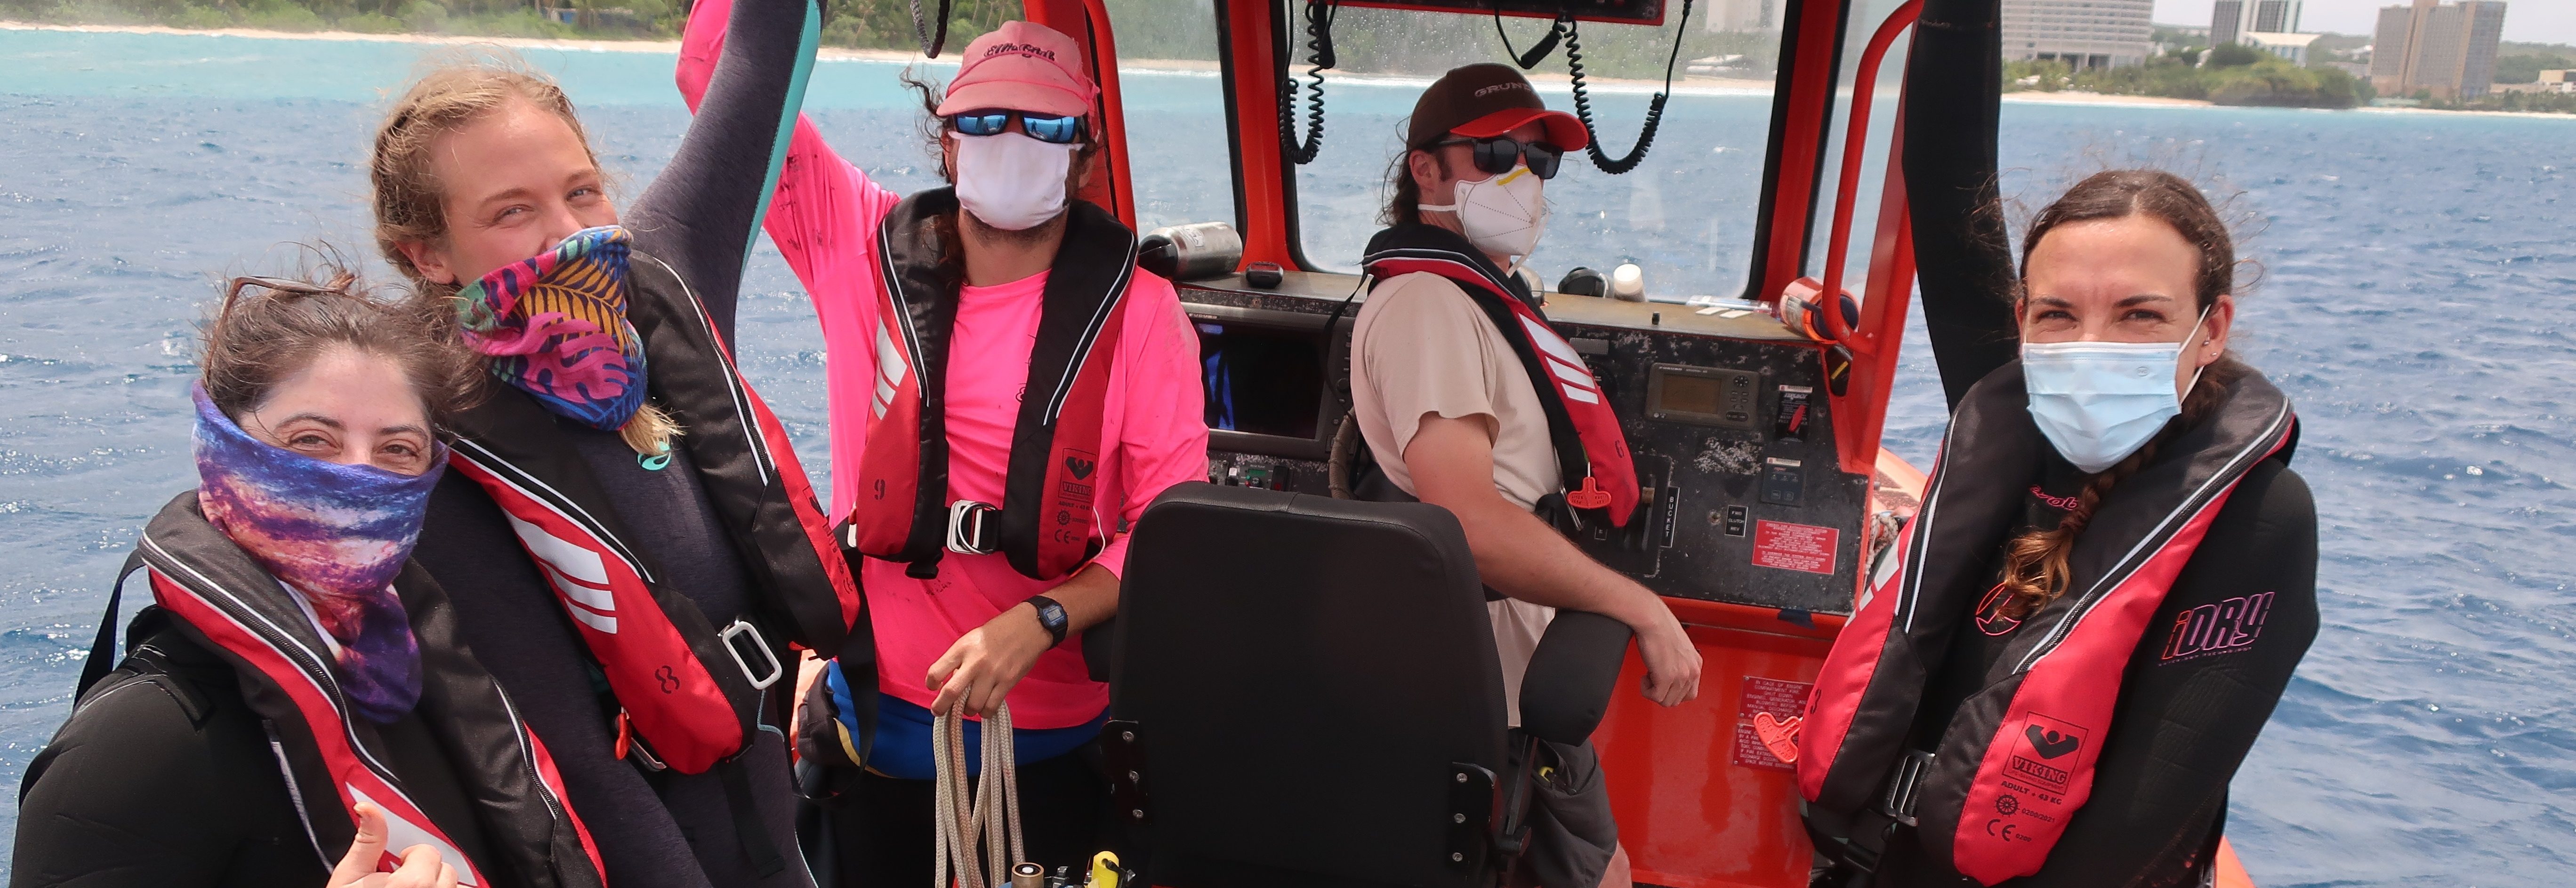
<point x="1788" y="546"/>
<point x="1766" y="722"/>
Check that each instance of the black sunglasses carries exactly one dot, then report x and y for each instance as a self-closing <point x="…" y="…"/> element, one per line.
<point x="1499" y="154"/>
<point x="1048" y="128"/>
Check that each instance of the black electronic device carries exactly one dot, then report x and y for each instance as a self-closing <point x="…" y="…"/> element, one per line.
<point x="1584" y="282"/>
<point x="1266" y="378"/>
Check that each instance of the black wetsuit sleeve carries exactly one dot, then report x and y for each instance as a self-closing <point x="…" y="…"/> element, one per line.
<point x="701" y="213"/>
<point x="2202" y="684"/>
<point x="134" y="791"/>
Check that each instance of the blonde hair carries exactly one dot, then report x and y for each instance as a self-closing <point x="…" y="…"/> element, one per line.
<point x="410" y="202"/>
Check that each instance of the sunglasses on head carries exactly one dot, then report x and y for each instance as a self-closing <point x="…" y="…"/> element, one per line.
<point x="1499" y="154"/>
<point x="1048" y="128"/>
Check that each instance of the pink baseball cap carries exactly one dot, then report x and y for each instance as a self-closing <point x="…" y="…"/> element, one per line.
<point x="1021" y="66"/>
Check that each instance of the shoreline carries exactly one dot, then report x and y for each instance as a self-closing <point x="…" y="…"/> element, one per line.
<point x="1554" y="81"/>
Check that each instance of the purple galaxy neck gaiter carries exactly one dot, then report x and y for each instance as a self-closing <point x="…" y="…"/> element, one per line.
<point x="337" y="535"/>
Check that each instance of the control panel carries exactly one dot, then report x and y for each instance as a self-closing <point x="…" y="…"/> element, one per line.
<point x="1743" y="498"/>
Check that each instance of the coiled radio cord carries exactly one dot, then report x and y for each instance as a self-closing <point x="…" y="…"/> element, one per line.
<point x="1654" y="107"/>
<point x="1319" y="46"/>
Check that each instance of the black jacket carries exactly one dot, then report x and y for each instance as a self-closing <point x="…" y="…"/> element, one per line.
<point x="165" y="777"/>
<point x="2188" y="710"/>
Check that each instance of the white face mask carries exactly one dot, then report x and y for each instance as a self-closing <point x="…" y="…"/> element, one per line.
<point x="1010" y="181"/>
<point x="1503" y="215"/>
<point x="2098" y="402"/>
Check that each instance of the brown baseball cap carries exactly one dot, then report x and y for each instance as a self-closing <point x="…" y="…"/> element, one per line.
<point x="1485" y="100"/>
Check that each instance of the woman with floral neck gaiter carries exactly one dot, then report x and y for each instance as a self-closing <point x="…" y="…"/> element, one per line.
<point x="295" y="708"/>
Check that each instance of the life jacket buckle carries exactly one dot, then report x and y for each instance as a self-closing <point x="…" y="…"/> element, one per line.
<point x="970" y="527"/>
<point x="734" y="646"/>
<point x="1905" y="788"/>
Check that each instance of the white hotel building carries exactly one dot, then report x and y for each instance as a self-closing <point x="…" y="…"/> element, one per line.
<point x="2082" y="33"/>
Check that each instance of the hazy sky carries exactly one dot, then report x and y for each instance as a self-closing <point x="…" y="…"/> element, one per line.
<point x="2534" y="21"/>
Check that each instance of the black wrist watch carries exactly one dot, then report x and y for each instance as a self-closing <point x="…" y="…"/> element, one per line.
<point x="1050" y="615"/>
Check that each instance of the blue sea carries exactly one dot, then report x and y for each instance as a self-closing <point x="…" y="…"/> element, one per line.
<point x="2417" y="297"/>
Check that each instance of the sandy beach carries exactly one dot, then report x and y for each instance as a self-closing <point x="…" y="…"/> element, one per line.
<point x="2076" y="97"/>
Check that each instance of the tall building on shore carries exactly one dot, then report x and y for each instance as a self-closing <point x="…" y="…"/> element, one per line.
<point x="1756" y="16"/>
<point x="2231" y="20"/>
<point x="2445" y="49"/>
<point x="2083" y="34"/>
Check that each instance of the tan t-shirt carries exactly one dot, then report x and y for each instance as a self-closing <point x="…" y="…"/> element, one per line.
<point x="1422" y="347"/>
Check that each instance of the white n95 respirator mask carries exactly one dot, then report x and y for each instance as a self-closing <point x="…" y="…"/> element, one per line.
<point x="2098" y="402"/>
<point x="1010" y="181"/>
<point x="1503" y="215"/>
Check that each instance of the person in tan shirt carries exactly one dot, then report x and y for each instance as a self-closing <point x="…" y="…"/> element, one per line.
<point x="1445" y="401"/>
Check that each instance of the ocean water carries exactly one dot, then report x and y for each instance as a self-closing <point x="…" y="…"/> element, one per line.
<point x="2414" y="300"/>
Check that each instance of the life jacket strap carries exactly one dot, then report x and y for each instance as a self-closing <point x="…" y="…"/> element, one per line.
<point x="759" y="847"/>
<point x="102" y="650"/>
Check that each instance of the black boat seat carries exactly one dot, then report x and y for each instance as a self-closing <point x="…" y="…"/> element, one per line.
<point x="1305" y="692"/>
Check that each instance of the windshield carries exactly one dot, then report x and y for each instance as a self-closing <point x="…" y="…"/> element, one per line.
<point x="1686" y="216"/>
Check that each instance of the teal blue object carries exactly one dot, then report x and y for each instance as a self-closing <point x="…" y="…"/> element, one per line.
<point x="806" y="47"/>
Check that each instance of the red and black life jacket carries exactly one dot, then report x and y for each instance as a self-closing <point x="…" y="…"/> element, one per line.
<point x="1591" y="451"/>
<point x="2017" y="760"/>
<point x="1049" y="522"/>
<point x="686" y="684"/>
<point x="220" y="598"/>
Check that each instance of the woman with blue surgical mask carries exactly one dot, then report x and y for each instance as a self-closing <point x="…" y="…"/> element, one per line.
<point x="2105" y="591"/>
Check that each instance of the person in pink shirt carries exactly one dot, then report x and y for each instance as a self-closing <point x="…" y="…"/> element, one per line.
<point x="1007" y="393"/>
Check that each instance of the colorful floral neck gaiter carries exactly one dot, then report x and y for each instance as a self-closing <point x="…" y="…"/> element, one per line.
<point x="555" y="327"/>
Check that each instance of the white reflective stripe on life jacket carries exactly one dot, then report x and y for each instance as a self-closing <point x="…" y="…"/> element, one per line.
<point x="690" y="723"/>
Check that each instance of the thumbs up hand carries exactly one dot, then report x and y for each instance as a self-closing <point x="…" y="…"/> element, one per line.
<point x="420" y="866"/>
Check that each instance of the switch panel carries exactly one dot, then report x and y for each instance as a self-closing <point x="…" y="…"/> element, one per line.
<point x="1789" y="418"/>
<point x="1784" y="482"/>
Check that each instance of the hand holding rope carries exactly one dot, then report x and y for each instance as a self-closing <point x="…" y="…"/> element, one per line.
<point x="968" y="816"/>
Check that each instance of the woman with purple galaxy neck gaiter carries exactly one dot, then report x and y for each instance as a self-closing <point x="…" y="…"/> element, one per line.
<point x="295" y="707"/>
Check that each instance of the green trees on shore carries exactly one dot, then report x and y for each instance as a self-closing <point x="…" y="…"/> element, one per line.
<point x="868" y="24"/>
<point x="2232" y="75"/>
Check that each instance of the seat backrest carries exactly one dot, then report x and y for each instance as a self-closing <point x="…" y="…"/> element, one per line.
<point x="1303" y="672"/>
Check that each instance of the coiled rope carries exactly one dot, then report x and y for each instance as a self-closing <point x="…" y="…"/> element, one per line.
<point x="968" y="817"/>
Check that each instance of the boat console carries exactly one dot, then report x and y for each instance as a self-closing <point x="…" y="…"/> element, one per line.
<point x="1744" y="500"/>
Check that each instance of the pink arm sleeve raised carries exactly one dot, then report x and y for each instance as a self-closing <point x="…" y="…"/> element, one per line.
<point x="823" y="217"/>
<point x="1163" y="438"/>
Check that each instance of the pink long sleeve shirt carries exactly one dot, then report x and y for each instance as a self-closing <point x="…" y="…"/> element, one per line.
<point x="824" y="217"/>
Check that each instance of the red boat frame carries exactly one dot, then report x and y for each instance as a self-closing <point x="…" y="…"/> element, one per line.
<point x="1690" y="814"/>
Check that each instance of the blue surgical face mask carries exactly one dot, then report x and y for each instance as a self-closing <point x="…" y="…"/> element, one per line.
<point x="2098" y="402"/>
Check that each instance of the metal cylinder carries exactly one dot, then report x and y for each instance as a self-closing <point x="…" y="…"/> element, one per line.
<point x="1191" y="252"/>
<point x="1028" y="875"/>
